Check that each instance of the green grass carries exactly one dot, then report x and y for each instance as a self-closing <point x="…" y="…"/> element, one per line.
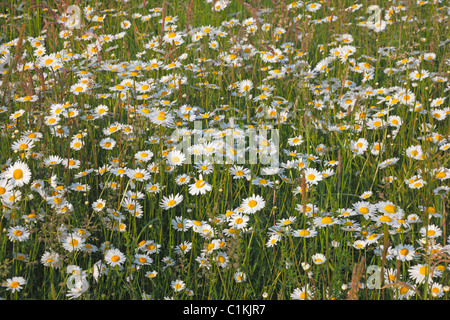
<point x="271" y="272"/>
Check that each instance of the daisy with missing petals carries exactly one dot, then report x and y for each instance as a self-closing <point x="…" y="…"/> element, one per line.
<point x="15" y="284"/>
<point x="51" y="259"/>
<point x="301" y="294"/>
<point x="151" y="274"/>
<point x="239" y="276"/>
<point x="19" y="174"/>
<point x="318" y="258"/>
<point x="253" y="204"/>
<point x="200" y="186"/>
<point x="114" y="257"/>
<point x="171" y="201"/>
<point x="273" y="240"/>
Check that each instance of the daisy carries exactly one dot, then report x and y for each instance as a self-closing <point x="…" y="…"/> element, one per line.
<point x="273" y="240"/>
<point x="405" y="252"/>
<point x="176" y="158"/>
<point x="114" y="257"/>
<point x="138" y="174"/>
<point x="295" y="141"/>
<point x="301" y="294"/>
<point x="18" y="233"/>
<point x="142" y="259"/>
<point x="359" y="244"/>
<point x="98" y="205"/>
<point x="239" y="276"/>
<point x="179" y="224"/>
<point x="177" y="285"/>
<point x="73" y="242"/>
<point x="23" y="145"/>
<point x="304" y="233"/>
<point x="238" y="221"/>
<point x="205" y="168"/>
<point x="107" y="143"/>
<point x="359" y="146"/>
<point x="325" y="221"/>
<point x="222" y="259"/>
<point x="420" y="273"/>
<point x="199" y="187"/>
<point x="51" y="259"/>
<point x="415" y="152"/>
<point x="430" y="231"/>
<point x="405" y="291"/>
<point x="169" y="202"/>
<point x="15" y="284"/>
<point x="151" y="274"/>
<point x="365" y="195"/>
<point x="19" y="174"/>
<point x="312" y="176"/>
<point x="183" y="248"/>
<point x="364" y="208"/>
<point x="388" y="162"/>
<point x="258" y="181"/>
<point x="253" y="204"/>
<point x="239" y="172"/>
<point x="318" y="258"/>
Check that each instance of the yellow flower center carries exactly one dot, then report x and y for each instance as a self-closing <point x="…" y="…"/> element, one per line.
<point x="18" y="174"/>
<point x="252" y="203"/>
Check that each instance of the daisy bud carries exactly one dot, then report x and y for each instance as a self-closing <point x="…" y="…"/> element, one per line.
<point x="446" y="288"/>
<point x="16" y="131"/>
<point x="265" y="295"/>
<point x="86" y="202"/>
<point x="344" y="287"/>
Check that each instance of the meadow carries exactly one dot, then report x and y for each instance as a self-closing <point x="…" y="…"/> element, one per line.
<point x="224" y="149"/>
